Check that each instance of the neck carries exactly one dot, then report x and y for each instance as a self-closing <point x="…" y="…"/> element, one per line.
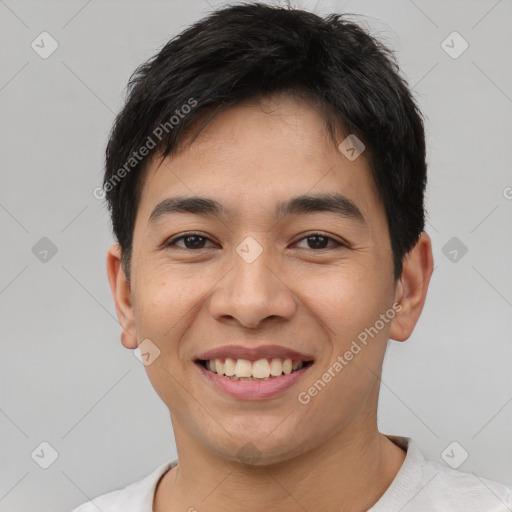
<point x="348" y="473"/>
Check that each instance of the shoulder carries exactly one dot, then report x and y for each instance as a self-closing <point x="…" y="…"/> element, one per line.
<point x="422" y="485"/>
<point x="467" y="492"/>
<point x="136" y="497"/>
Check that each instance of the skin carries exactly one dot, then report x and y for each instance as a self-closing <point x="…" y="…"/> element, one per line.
<point x="327" y="455"/>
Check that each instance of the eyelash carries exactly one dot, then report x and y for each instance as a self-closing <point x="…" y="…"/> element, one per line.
<point x="170" y="243"/>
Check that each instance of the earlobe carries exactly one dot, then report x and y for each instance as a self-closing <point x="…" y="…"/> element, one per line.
<point x="411" y="289"/>
<point x="121" y="293"/>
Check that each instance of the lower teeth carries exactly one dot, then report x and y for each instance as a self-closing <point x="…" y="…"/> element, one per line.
<point x="256" y="379"/>
<point x="233" y="377"/>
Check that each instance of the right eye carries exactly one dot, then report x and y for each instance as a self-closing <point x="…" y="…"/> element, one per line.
<point x="190" y="240"/>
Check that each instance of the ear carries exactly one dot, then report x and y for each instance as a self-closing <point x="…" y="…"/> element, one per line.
<point x="121" y="293"/>
<point x="411" y="289"/>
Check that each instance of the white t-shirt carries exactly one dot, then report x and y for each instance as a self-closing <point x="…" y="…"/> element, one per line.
<point x="419" y="486"/>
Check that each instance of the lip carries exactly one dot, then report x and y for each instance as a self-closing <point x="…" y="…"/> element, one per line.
<point x="252" y="390"/>
<point x="254" y="353"/>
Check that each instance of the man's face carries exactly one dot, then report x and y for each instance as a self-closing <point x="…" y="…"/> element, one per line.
<point x="253" y="278"/>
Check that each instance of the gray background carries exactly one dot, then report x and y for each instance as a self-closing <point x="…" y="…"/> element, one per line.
<point x="65" y="377"/>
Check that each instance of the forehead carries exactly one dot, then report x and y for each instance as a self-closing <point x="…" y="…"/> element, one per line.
<point x="257" y="155"/>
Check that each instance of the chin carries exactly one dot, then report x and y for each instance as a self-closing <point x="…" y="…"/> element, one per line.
<point x="254" y="451"/>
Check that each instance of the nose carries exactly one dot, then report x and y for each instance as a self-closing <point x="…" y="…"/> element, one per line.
<point x="253" y="293"/>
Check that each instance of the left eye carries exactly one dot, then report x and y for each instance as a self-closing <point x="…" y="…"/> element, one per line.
<point x="196" y="241"/>
<point x="317" y="239"/>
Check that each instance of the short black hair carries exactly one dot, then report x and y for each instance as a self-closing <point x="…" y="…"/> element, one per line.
<point x="251" y="51"/>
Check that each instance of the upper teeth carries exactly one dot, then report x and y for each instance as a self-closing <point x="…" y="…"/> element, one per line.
<point x="260" y="369"/>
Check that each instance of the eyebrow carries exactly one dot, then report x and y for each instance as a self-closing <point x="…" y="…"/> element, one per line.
<point x="298" y="205"/>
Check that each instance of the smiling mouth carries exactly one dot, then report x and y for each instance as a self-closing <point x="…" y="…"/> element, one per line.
<point x="258" y="371"/>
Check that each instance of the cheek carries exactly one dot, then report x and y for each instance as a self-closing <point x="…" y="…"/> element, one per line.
<point x="163" y="316"/>
<point x="349" y="301"/>
<point x="163" y="300"/>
